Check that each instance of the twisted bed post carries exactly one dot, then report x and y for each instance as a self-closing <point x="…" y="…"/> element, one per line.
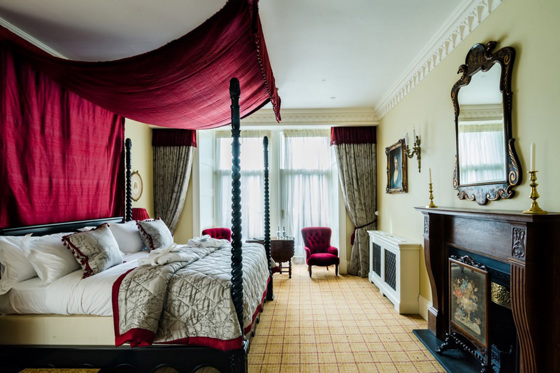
<point x="236" y="251"/>
<point x="269" y="293"/>
<point x="128" y="196"/>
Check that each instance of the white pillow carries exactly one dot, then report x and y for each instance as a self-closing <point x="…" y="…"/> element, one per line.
<point x="49" y="257"/>
<point x="128" y="237"/>
<point x="95" y="250"/>
<point x="155" y="233"/>
<point x="14" y="266"/>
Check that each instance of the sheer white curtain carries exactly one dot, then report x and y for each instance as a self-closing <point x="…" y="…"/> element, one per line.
<point x="484" y="142"/>
<point x="306" y="184"/>
<point x="252" y="179"/>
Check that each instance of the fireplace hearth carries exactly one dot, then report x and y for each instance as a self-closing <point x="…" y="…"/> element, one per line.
<point x="521" y="253"/>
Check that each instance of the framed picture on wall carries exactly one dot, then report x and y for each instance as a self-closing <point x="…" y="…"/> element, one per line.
<point x="137" y="185"/>
<point x="397" y="168"/>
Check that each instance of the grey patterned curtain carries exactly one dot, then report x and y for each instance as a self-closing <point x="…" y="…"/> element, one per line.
<point x="173" y="151"/>
<point x="356" y="159"/>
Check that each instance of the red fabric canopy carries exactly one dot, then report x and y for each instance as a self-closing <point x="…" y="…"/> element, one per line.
<point x="60" y="155"/>
<point x="183" y="84"/>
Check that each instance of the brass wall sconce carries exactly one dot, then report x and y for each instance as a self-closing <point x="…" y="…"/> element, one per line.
<point x="416" y="149"/>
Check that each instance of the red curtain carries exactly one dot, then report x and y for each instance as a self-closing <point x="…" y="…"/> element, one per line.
<point x="183" y="84"/>
<point x="61" y="156"/>
<point x="353" y="135"/>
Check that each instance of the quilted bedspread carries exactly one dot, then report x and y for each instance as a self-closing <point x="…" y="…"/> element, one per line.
<point x="189" y="301"/>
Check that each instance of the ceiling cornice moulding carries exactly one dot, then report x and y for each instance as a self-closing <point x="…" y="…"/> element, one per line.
<point x="24" y="35"/>
<point x="490" y="112"/>
<point x="458" y="26"/>
<point x="332" y="117"/>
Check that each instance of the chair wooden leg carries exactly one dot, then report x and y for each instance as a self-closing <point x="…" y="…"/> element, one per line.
<point x="336" y="270"/>
<point x="309" y="271"/>
<point x="327" y="268"/>
<point x="290" y="268"/>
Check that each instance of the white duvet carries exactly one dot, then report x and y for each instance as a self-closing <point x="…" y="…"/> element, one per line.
<point x="69" y="294"/>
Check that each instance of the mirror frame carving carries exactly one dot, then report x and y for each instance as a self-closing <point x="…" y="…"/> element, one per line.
<point x="481" y="57"/>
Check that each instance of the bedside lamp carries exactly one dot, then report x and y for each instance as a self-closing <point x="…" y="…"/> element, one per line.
<point x="139" y="213"/>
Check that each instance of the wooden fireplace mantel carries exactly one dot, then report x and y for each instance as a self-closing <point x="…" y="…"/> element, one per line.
<point x="530" y="245"/>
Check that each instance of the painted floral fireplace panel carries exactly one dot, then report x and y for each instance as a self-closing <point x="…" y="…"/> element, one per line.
<point x="469" y="301"/>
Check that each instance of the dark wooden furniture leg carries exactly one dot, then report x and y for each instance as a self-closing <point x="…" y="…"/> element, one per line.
<point x="290" y="269"/>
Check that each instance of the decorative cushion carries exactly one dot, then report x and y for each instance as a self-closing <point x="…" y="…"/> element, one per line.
<point x="155" y="233"/>
<point x="95" y="250"/>
<point x="14" y="266"/>
<point x="128" y="237"/>
<point x="48" y="257"/>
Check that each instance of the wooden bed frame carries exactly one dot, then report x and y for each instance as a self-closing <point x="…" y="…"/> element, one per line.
<point x="14" y="358"/>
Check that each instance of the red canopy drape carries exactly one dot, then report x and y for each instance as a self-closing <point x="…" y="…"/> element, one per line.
<point x="60" y="155"/>
<point x="183" y="84"/>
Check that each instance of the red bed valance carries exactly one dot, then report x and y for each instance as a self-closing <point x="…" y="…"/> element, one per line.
<point x="183" y="84"/>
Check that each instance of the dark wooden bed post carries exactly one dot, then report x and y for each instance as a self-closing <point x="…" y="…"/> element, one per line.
<point x="269" y="293"/>
<point x="128" y="197"/>
<point x="236" y="251"/>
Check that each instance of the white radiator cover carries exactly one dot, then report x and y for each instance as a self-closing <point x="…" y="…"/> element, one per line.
<point x="394" y="268"/>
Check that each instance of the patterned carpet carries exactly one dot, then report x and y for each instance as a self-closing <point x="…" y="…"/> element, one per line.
<point x="335" y="324"/>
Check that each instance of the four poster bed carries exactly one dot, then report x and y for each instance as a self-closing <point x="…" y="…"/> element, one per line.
<point x="62" y="166"/>
<point x="87" y="341"/>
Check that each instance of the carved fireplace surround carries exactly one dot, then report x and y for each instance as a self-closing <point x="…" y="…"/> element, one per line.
<point x="529" y="246"/>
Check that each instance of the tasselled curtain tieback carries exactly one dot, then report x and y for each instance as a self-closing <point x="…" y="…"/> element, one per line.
<point x="360" y="227"/>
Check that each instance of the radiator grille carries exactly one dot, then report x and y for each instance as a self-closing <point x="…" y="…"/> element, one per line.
<point x="377" y="259"/>
<point x="391" y="269"/>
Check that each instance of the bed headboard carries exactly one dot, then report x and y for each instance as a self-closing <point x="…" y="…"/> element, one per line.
<point x="44" y="229"/>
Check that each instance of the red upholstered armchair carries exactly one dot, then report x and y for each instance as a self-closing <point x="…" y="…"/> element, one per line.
<point x="318" y="249"/>
<point x="219" y="233"/>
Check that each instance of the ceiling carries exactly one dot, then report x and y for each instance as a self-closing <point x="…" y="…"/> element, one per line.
<point x="325" y="54"/>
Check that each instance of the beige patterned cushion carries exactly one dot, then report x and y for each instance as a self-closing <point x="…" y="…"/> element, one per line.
<point x="95" y="250"/>
<point x="155" y="233"/>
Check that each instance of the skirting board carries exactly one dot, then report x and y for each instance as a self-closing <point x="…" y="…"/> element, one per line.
<point x="423" y="306"/>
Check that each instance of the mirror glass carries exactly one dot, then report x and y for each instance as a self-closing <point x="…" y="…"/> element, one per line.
<point x="481" y="130"/>
<point x="486" y="167"/>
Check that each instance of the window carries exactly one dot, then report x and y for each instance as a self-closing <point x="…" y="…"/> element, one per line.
<point x="303" y="184"/>
<point x="306" y="183"/>
<point x="252" y="182"/>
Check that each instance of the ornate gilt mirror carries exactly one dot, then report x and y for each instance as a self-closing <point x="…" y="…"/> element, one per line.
<point x="486" y="165"/>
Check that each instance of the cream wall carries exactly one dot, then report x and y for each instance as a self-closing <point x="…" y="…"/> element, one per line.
<point x="142" y="160"/>
<point x="184" y="230"/>
<point x="532" y="28"/>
